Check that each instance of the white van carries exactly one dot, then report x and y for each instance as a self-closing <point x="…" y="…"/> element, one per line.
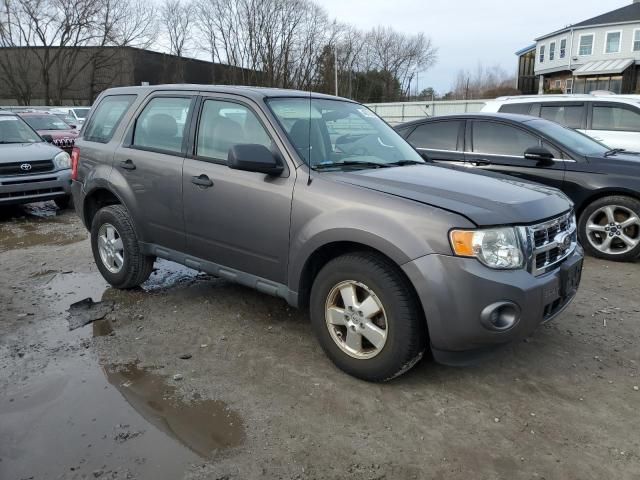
<point x="610" y="119"/>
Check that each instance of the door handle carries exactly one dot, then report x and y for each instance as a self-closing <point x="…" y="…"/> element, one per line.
<point x="202" y="181"/>
<point x="128" y="164"/>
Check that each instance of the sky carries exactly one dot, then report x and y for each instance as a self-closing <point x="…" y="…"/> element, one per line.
<point x="469" y="31"/>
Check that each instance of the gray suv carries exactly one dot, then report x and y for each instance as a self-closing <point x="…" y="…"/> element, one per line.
<point x="314" y="199"/>
<point x="31" y="170"/>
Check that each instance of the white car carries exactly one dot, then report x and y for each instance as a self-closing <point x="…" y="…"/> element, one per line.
<point x="613" y="120"/>
<point x="79" y="114"/>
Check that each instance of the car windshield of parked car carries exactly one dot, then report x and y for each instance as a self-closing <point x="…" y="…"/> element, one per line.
<point x="335" y="133"/>
<point x="14" y="130"/>
<point x="81" y="112"/>
<point x="569" y="138"/>
<point x="46" y="122"/>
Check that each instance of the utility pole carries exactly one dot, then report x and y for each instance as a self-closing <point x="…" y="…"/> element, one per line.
<point x="335" y="67"/>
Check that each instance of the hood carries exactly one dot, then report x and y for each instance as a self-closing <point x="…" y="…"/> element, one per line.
<point x="483" y="197"/>
<point x="59" y="134"/>
<point x="27" y="152"/>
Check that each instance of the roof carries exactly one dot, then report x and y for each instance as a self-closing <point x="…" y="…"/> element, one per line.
<point x="522" y="51"/>
<point x="512" y="117"/>
<point x="627" y="14"/>
<point x="255" y="93"/>
<point x="602" y="67"/>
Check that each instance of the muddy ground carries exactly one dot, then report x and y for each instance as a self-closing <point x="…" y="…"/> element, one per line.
<point x="253" y="396"/>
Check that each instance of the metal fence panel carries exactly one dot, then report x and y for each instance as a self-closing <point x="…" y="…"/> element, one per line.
<point x="400" y="112"/>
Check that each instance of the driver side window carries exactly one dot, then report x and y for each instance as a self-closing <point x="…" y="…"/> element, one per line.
<point x="226" y="124"/>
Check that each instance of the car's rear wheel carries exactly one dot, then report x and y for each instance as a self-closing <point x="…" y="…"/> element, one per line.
<point x="116" y="249"/>
<point x="62" y="202"/>
<point x="366" y="317"/>
<point x="609" y="228"/>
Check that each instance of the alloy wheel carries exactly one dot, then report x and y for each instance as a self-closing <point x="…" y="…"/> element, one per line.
<point x="111" y="248"/>
<point x="613" y="229"/>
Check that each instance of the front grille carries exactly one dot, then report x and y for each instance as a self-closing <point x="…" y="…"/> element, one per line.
<point x="25" y="168"/>
<point x="64" y="143"/>
<point x="29" y="193"/>
<point x="551" y="242"/>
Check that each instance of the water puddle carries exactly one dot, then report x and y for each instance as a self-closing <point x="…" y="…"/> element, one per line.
<point x="204" y="426"/>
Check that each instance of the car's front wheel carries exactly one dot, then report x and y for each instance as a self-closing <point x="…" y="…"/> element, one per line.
<point x="116" y="249"/>
<point x="366" y="317"/>
<point x="609" y="228"/>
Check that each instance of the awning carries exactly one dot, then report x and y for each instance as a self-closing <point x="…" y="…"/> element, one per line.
<point x="604" y="67"/>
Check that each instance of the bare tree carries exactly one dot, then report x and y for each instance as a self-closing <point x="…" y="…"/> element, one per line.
<point x="484" y="82"/>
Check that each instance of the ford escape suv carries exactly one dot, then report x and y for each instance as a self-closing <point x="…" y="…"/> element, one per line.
<point x="314" y="199"/>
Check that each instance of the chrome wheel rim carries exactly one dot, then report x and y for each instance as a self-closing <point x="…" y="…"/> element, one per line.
<point x="356" y="319"/>
<point x="111" y="248"/>
<point x="613" y="229"/>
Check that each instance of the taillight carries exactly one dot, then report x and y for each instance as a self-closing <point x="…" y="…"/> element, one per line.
<point x="75" y="161"/>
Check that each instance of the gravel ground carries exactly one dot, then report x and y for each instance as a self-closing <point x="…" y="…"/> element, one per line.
<point x="190" y="377"/>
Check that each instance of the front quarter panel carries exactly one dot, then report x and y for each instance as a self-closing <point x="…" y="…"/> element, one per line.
<point x="327" y="211"/>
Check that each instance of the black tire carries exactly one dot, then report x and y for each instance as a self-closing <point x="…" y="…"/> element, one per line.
<point x="62" y="202"/>
<point x="407" y="332"/>
<point x="586" y="239"/>
<point x="136" y="267"/>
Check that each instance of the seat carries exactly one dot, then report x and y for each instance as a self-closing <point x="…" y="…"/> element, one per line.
<point x="304" y="133"/>
<point x="161" y="131"/>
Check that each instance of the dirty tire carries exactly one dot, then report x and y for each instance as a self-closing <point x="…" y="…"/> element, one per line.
<point x="62" y="202"/>
<point x="406" y="329"/>
<point x="629" y="203"/>
<point x="136" y="267"/>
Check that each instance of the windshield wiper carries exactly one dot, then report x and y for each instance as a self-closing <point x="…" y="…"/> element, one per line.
<point x="351" y="163"/>
<point x="614" y="151"/>
<point x="402" y="163"/>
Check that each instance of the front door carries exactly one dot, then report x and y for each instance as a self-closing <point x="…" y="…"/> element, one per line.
<point x="500" y="147"/>
<point x="235" y="218"/>
<point x="150" y="161"/>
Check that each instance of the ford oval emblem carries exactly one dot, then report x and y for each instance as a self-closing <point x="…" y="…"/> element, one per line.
<point x="25" y="167"/>
<point x="563" y="240"/>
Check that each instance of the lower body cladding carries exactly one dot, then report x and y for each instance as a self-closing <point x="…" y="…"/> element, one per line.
<point x="470" y="308"/>
<point x="35" y="188"/>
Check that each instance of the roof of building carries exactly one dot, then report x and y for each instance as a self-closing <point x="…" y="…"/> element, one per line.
<point x="626" y="14"/>
<point x="522" y="51"/>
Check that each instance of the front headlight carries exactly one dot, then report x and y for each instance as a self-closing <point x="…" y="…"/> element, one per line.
<point x="495" y="247"/>
<point x="62" y="160"/>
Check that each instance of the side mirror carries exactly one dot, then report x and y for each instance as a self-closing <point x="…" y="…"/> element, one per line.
<point x="254" y="158"/>
<point x="539" y="154"/>
<point x="47" y="138"/>
<point x="73" y="126"/>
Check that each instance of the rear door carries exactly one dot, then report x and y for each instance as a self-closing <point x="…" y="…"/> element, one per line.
<point x="441" y="141"/>
<point x="150" y="161"/>
<point x="569" y="114"/>
<point x="617" y="125"/>
<point x="234" y="218"/>
<point x="499" y="147"/>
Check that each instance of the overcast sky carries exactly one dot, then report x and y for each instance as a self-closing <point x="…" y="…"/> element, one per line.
<point x="469" y="31"/>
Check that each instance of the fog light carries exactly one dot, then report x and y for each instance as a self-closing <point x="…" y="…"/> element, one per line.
<point x="500" y="315"/>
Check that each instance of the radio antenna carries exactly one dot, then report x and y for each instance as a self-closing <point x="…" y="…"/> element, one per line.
<point x="309" y="152"/>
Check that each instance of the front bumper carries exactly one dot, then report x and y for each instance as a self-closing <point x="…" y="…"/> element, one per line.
<point x="454" y="291"/>
<point x="35" y="188"/>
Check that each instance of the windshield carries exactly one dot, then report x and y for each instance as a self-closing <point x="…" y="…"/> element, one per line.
<point x="45" y="122"/>
<point x="569" y="138"/>
<point x="65" y="117"/>
<point x="330" y="132"/>
<point x="81" y="112"/>
<point x="14" y="130"/>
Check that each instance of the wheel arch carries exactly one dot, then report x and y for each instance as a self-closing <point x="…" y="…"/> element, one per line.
<point x="602" y="193"/>
<point x="99" y="197"/>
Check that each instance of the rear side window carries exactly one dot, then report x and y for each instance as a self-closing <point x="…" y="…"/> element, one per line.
<point x="500" y="139"/>
<point x="226" y="124"/>
<point x="107" y="117"/>
<point x="568" y="115"/>
<point x="610" y="117"/>
<point x="436" y="135"/>
<point x="520" y="108"/>
<point x="162" y="123"/>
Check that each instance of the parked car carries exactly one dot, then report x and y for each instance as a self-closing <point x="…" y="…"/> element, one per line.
<point x="66" y="118"/>
<point x="611" y="119"/>
<point x="31" y="170"/>
<point x="314" y="199"/>
<point x="79" y="113"/>
<point x="603" y="183"/>
<point x="51" y="128"/>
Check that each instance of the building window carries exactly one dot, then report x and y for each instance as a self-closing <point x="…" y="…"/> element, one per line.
<point x="586" y="45"/>
<point x="557" y="84"/>
<point x="636" y="41"/>
<point x="563" y="47"/>
<point x="568" y="88"/>
<point x="552" y="51"/>
<point x="541" y="53"/>
<point x="612" y="44"/>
